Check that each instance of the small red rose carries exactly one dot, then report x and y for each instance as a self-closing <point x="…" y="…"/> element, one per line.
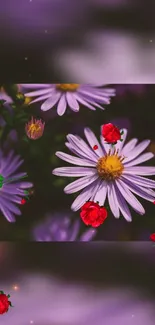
<point x="152" y="237"/>
<point x="111" y="133"/>
<point x="92" y="214"/>
<point x="4" y="303"/>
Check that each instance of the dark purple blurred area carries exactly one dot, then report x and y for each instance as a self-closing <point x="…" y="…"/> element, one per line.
<point x="43" y="40"/>
<point x="63" y="284"/>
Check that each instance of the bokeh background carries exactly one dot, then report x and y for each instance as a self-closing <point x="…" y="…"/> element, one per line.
<point x="110" y="41"/>
<point x="133" y="108"/>
<point x="59" y="283"/>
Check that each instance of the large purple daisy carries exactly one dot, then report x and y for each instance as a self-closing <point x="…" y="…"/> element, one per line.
<point x="61" y="227"/>
<point x="11" y="192"/>
<point x="70" y="95"/>
<point x="113" y="173"/>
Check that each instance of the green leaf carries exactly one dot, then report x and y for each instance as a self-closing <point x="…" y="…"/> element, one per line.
<point x="11" y="89"/>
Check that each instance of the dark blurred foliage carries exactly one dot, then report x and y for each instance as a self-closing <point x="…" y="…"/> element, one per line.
<point x="135" y="107"/>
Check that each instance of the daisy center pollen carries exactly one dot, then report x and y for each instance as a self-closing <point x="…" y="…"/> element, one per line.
<point x="34" y="128"/>
<point x="110" y="167"/>
<point x="67" y="87"/>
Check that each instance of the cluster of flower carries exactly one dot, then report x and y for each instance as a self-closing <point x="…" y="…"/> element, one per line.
<point x="106" y="169"/>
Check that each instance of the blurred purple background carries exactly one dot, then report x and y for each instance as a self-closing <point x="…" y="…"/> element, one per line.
<point x="79" y="284"/>
<point x="111" y="41"/>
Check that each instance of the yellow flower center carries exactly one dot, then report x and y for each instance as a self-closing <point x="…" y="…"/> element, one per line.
<point x="110" y="167"/>
<point x="27" y="100"/>
<point x="67" y="87"/>
<point x="32" y="128"/>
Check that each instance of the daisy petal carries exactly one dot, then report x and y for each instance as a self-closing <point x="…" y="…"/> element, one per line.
<point x="12" y="189"/>
<point x="92" y="95"/>
<point x="82" y="147"/>
<point x="129" y="146"/>
<point x="25" y="185"/>
<point x="50" y="102"/>
<point x="100" y="196"/>
<point x="144" y="193"/>
<point x="85" y="195"/>
<point x="13" y="198"/>
<point x="113" y="200"/>
<point x="130" y="198"/>
<point x="12" y="207"/>
<point x="146" y="170"/>
<point x="74" y="160"/>
<point x="140" y="159"/>
<point x="137" y="150"/>
<point x="16" y="163"/>
<point x="92" y="140"/>
<point x="123" y="206"/>
<point x="74" y="171"/>
<point x="139" y="180"/>
<point x="72" y="102"/>
<point x="8" y="215"/>
<point x="40" y="98"/>
<point x="92" y="102"/>
<point x="84" y="102"/>
<point x="120" y="144"/>
<point x="80" y="184"/>
<point x="76" y="152"/>
<point x="38" y="93"/>
<point x="62" y="105"/>
<point x="106" y="147"/>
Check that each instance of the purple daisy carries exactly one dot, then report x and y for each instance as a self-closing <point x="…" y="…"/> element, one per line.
<point x="113" y="173"/>
<point x="11" y="192"/>
<point x="69" y="95"/>
<point x="60" y="227"/>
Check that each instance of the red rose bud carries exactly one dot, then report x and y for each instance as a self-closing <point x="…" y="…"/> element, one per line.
<point x="95" y="147"/>
<point x="152" y="237"/>
<point x="111" y="133"/>
<point x="4" y="303"/>
<point x="92" y="214"/>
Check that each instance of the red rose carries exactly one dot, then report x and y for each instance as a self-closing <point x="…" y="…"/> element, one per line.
<point x="152" y="237"/>
<point x="92" y="214"/>
<point x="4" y="303"/>
<point x="111" y="133"/>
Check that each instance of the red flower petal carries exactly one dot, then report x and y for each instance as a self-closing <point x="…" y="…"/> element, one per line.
<point x="92" y="214"/>
<point x="152" y="236"/>
<point x="111" y="133"/>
